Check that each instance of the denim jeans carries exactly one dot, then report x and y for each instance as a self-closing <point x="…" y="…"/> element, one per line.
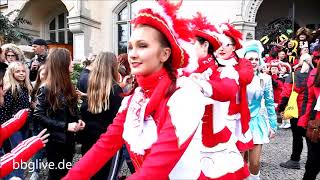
<point x="14" y="140"/>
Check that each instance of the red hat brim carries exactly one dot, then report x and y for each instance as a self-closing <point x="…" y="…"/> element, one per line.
<point x="237" y="42"/>
<point x="212" y="40"/>
<point x="178" y="54"/>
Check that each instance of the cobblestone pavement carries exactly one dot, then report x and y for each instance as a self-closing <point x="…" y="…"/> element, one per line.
<point x="278" y="150"/>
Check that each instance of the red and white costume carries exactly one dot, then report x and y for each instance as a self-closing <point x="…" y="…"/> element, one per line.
<point x="163" y="141"/>
<point x="24" y="151"/>
<point x="161" y="131"/>
<point x="241" y="70"/>
<point x="220" y="158"/>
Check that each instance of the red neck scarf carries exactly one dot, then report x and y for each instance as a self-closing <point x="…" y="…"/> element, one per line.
<point x="155" y="87"/>
<point x="205" y="63"/>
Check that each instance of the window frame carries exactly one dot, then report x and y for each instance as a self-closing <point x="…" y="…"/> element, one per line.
<point x="56" y="31"/>
<point x="126" y="4"/>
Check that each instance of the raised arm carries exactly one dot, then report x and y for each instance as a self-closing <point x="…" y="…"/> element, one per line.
<point x="22" y="153"/>
<point x="14" y="124"/>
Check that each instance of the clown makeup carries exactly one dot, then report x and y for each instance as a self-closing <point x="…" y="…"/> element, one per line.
<point x="146" y="53"/>
<point x="226" y="50"/>
<point x="253" y="57"/>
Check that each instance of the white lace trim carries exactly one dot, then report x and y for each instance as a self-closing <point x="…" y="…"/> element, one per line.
<point x="139" y="132"/>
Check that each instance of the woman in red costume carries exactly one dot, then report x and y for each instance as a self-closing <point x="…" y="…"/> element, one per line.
<point x="220" y="158"/>
<point x="157" y="122"/>
<point x="241" y="70"/>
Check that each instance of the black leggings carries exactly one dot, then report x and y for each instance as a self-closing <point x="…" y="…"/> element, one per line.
<point x="61" y="155"/>
<point x="313" y="161"/>
<point x="297" y="139"/>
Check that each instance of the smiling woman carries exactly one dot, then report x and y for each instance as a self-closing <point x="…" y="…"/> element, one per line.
<point x="148" y="51"/>
<point x="156" y="121"/>
<point x="17" y="90"/>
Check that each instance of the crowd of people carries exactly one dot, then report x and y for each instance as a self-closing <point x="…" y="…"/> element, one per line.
<point x="163" y="107"/>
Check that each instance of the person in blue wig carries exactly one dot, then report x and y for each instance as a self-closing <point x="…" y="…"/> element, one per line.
<point x="260" y="94"/>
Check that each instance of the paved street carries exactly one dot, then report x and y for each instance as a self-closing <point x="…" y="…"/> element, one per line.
<point x="276" y="151"/>
<point x="279" y="150"/>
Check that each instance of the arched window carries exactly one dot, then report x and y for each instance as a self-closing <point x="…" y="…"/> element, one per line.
<point x="58" y="30"/>
<point x="123" y="25"/>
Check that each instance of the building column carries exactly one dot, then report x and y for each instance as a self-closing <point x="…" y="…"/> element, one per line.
<point x="247" y="29"/>
<point x="81" y="27"/>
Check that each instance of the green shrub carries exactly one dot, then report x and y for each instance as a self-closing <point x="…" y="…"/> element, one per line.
<point x="77" y="68"/>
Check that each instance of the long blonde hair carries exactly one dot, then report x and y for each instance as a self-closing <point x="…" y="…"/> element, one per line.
<point x="102" y="76"/>
<point x="10" y="82"/>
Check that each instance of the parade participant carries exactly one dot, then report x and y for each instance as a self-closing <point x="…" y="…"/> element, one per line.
<point x="56" y="109"/>
<point x="277" y="84"/>
<point x="292" y="52"/>
<point x="218" y="143"/>
<point x="159" y="124"/>
<point x="25" y="150"/>
<point x="260" y="88"/>
<point x="239" y="114"/>
<point x="303" y="36"/>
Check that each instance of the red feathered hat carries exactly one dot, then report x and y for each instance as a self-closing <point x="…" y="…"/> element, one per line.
<point x="162" y="16"/>
<point x="228" y="30"/>
<point x="203" y="28"/>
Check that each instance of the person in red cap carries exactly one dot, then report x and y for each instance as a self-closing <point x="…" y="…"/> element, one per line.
<point x="158" y="122"/>
<point x="241" y="70"/>
<point x="218" y="142"/>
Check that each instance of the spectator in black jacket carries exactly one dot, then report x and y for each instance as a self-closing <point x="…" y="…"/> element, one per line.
<point x="56" y="109"/>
